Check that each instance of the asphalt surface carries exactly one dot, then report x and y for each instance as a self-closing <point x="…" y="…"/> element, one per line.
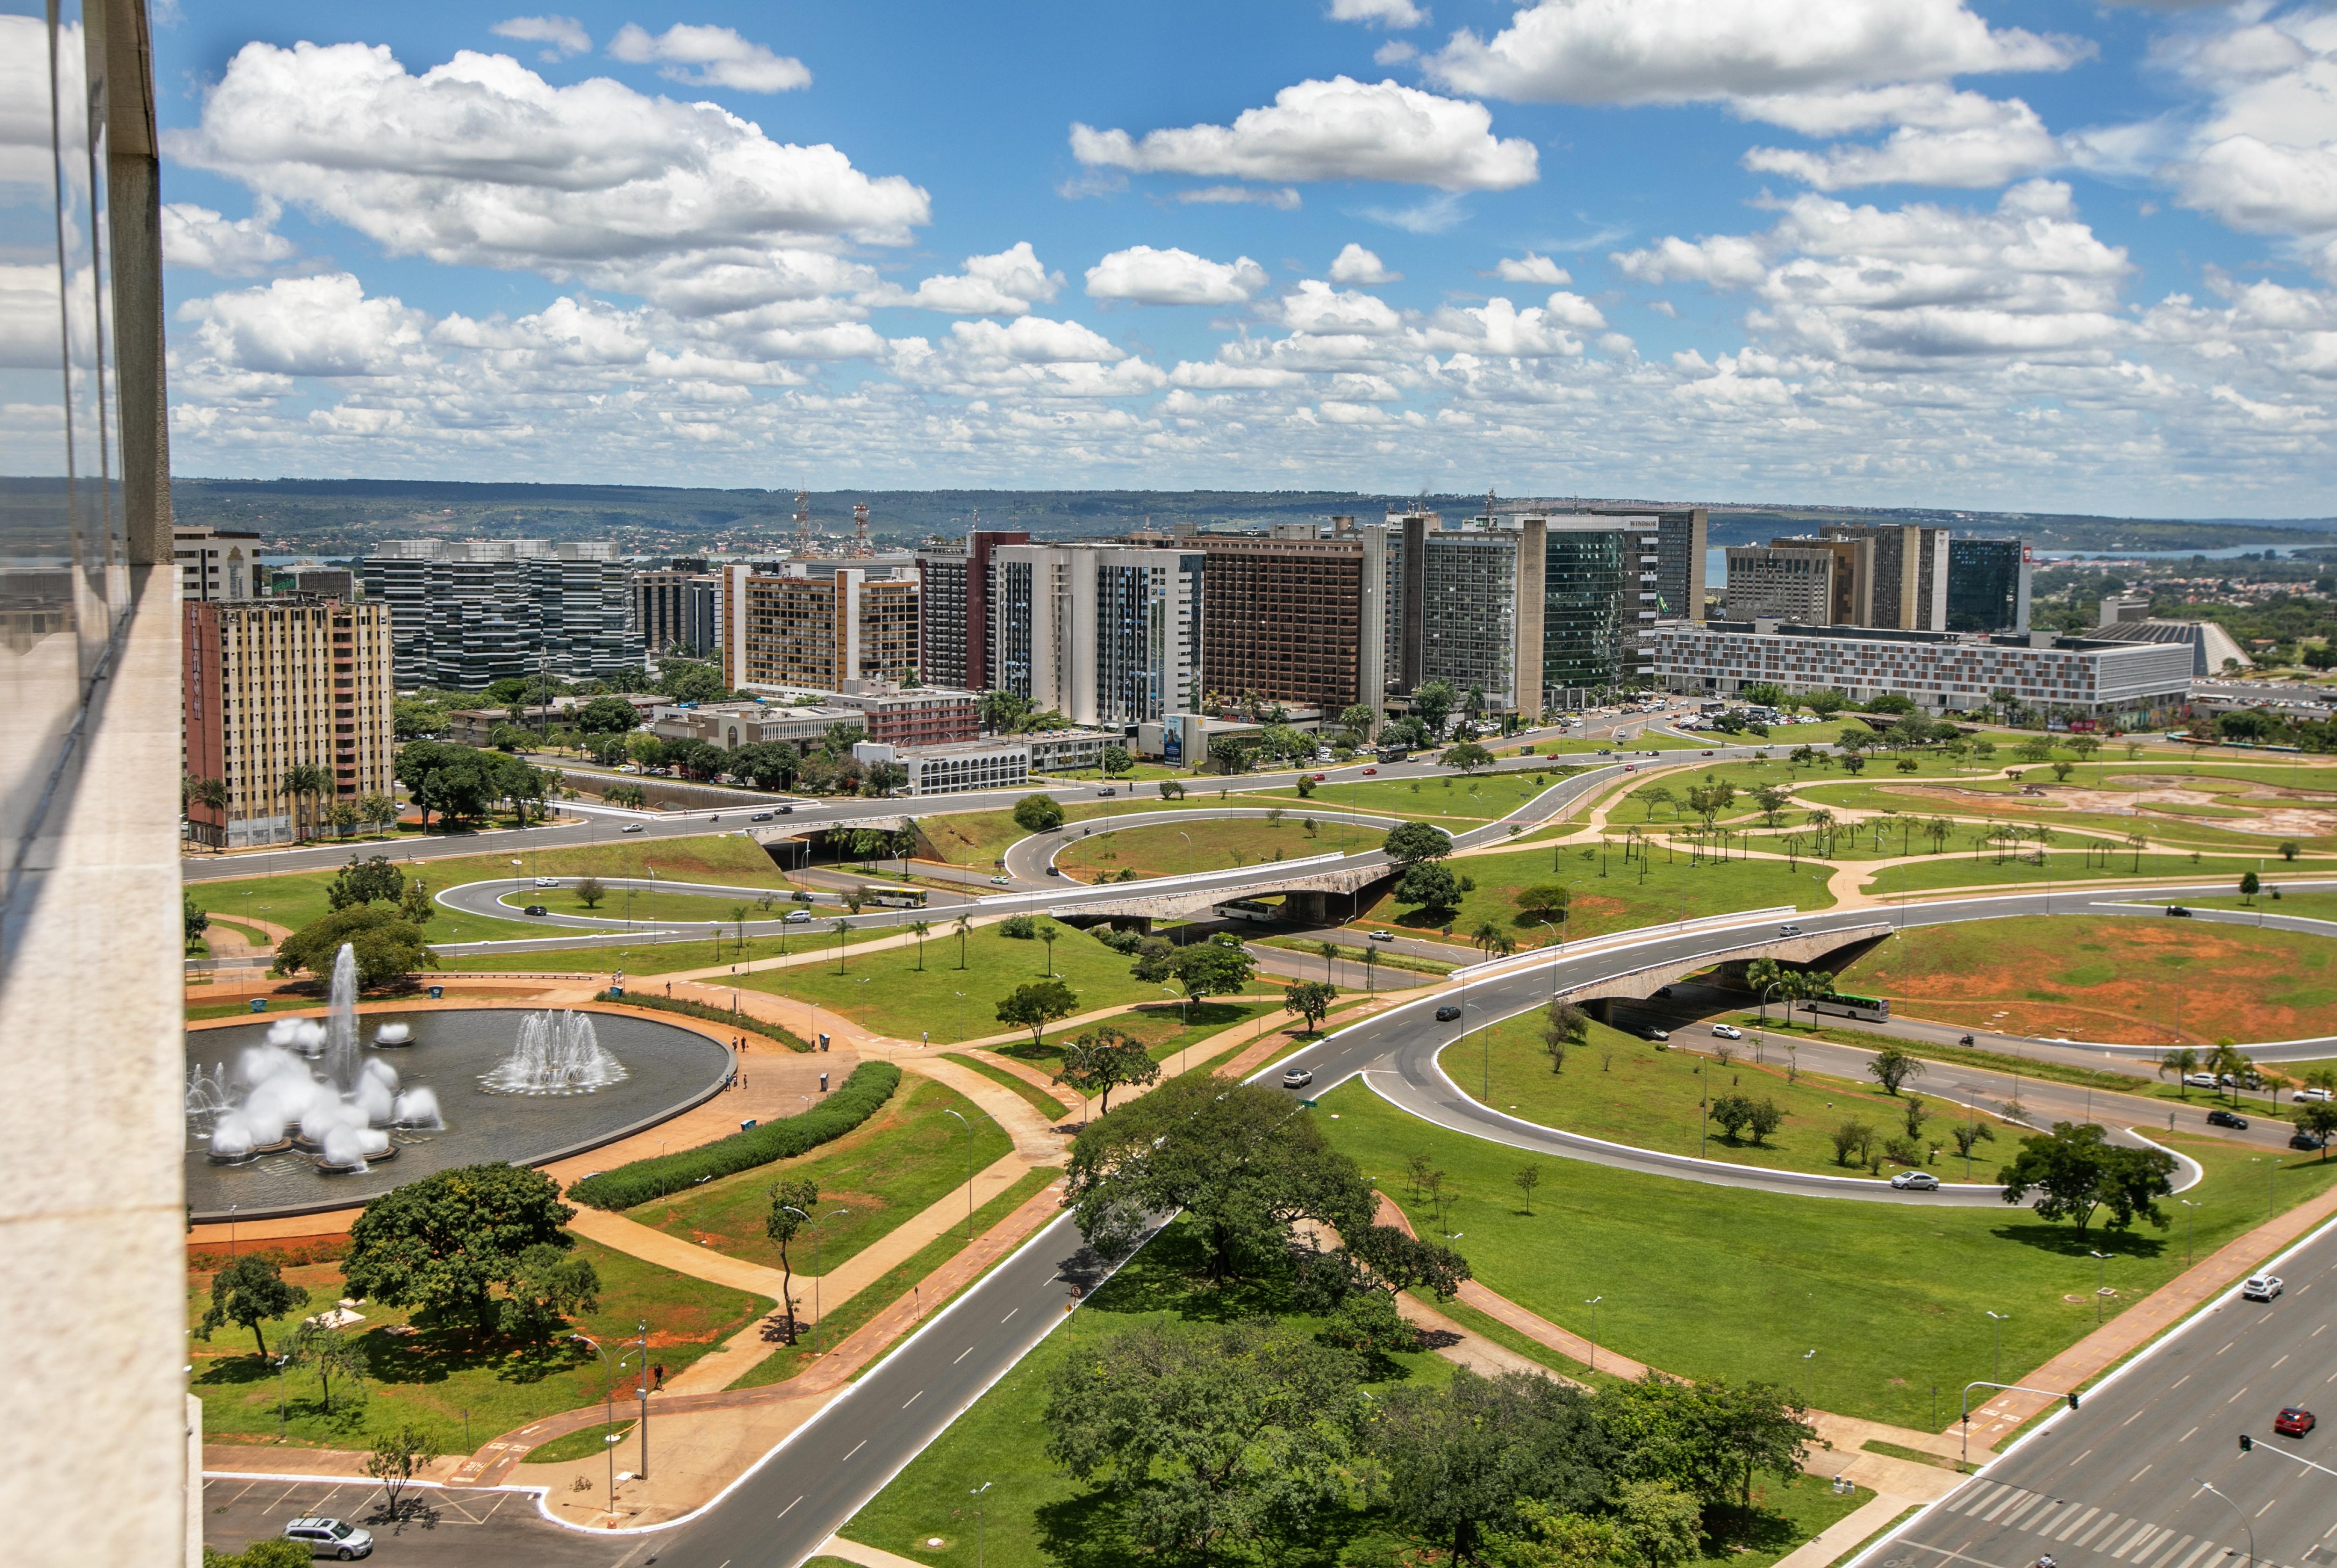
<point x="449" y="1528"/>
<point x="2118" y="1480"/>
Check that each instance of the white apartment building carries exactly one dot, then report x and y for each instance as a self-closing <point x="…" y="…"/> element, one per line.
<point x="1938" y="670"/>
<point x="217" y="564"/>
<point x="1106" y="634"/>
<point x="955" y="768"/>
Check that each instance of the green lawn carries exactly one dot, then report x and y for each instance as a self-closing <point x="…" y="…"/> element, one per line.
<point x="1478" y="799"/>
<point x="433" y="1376"/>
<point x="1665" y="886"/>
<point x="666" y="953"/>
<point x="888" y="1170"/>
<point x="295" y="897"/>
<point x="1044" y="1104"/>
<point x="2065" y="863"/>
<point x="784" y="1361"/>
<point x="643" y="907"/>
<point x="888" y="993"/>
<point x="1631" y="1090"/>
<point x="1163" y="1027"/>
<point x="1035" y="1516"/>
<point x="1162" y="851"/>
<point x="2308" y="905"/>
<point x="1713" y="1283"/>
<point x="982" y="838"/>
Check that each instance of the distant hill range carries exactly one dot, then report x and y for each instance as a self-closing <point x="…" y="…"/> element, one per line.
<point x="343" y="516"/>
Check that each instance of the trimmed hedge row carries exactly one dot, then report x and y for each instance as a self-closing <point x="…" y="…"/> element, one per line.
<point x="711" y="1014"/>
<point x="862" y="1095"/>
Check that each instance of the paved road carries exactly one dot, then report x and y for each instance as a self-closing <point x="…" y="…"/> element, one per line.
<point x="446" y="1528"/>
<point x="2118" y="1480"/>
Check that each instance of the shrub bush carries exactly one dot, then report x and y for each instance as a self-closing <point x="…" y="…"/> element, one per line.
<point x="741" y="1021"/>
<point x="1118" y="941"/>
<point x="871" y="1085"/>
<point x="1022" y="927"/>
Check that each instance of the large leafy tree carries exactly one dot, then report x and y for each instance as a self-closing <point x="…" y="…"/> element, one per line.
<point x="1416" y="841"/>
<point x="1202" y="968"/>
<point x="1708" y="1438"/>
<point x="548" y="1284"/>
<point x="387" y="945"/>
<point x="1209" y="1439"/>
<point x="1038" y="814"/>
<point x="1245" y="1162"/>
<point x="1459" y="1461"/>
<point x="1103" y="1060"/>
<point x="248" y="1292"/>
<point x="1035" y="1006"/>
<point x="454" y="782"/>
<point x="1432" y="704"/>
<point x="441" y="1245"/>
<point x="1310" y="999"/>
<point x="1428" y="885"/>
<point x="606" y="716"/>
<point x="2076" y="1170"/>
<point x="364" y="882"/>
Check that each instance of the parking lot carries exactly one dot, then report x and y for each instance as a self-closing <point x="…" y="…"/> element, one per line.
<point x="439" y="1527"/>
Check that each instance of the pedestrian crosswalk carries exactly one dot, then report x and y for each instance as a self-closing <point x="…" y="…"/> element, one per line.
<point x="2067" y="1526"/>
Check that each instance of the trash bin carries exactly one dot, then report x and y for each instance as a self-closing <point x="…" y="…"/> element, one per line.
<point x="616" y="991"/>
<point x="437" y="992"/>
<point x="260" y="1004"/>
<point x="748" y="1125"/>
<point x="823" y="1042"/>
<point x="823" y="1083"/>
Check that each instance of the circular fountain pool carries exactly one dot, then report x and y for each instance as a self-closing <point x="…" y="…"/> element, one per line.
<point x="465" y="1059"/>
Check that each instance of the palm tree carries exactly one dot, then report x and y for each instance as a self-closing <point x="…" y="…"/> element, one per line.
<point x="920" y="928"/>
<point x="840" y="927"/>
<point x="962" y="927"/>
<point x="2182" y="1062"/>
<point x="1823" y="821"/>
<point x="738" y="913"/>
<point x="1048" y="934"/>
<point x="1329" y="950"/>
<point x="1485" y="935"/>
<point x="1371" y="967"/>
<point x="2229" y="1061"/>
<point x="1764" y="975"/>
<point x="2137" y="843"/>
<point x="303" y="781"/>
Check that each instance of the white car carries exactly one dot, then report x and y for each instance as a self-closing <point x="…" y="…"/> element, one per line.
<point x="2198" y="1080"/>
<point x="630" y="828"/>
<point x="2262" y="1288"/>
<point x="547" y="881"/>
<point x="1915" y="1181"/>
<point x="2321" y="1094"/>
<point x="1001" y="881"/>
<point x="796" y="917"/>
<point x="1296" y="1078"/>
<point x="1727" y="1031"/>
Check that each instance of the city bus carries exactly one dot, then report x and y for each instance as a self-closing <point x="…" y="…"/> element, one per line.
<point x="893" y="897"/>
<point x="1248" y="910"/>
<point x="1874" y="1009"/>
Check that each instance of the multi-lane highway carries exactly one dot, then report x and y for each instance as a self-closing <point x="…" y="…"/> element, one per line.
<point x="2122" y="1481"/>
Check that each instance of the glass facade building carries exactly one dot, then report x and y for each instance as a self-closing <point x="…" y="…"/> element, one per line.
<point x="1600" y="590"/>
<point x="1988" y="585"/>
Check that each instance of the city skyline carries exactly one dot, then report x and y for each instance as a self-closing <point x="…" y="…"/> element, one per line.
<point x="2065" y="257"/>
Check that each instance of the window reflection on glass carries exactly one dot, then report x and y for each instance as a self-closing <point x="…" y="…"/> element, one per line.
<point x="63" y="579"/>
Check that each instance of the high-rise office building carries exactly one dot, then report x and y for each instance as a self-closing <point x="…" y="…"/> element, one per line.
<point x="1104" y="634"/>
<point x="675" y="608"/>
<point x="1680" y="537"/>
<point x="1284" y="618"/>
<point x="1781" y="582"/>
<point x="272" y="684"/>
<point x="1463" y="605"/>
<point x="1988" y="584"/>
<point x="218" y="563"/>
<point x="956" y="600"/>
<point x="801" y="629"/>
<point x="1910" y="572"/>
<point x="468" y="614"/>
<point x="1602" y="581"/>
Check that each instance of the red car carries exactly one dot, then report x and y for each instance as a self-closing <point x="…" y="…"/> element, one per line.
<point x="2293" y="1423"/>
<point x="1320" y="777"/>
<point x="1371" y="771"/>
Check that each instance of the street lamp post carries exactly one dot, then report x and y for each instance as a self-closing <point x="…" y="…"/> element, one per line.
<point x="976" y="1495"/>
<point x="1809" y="1376"/>
<point x="2101" y="1261"/>
<point x="609" y="1415"/>
<point x="969" y="1169"/>
<point x="280" y="1362"/>
<point x="2001" y="1318"/>
<point x="1593" y="1305"/>
<point x="2245" y="1522"/>
<point x="2190" y="1228"/>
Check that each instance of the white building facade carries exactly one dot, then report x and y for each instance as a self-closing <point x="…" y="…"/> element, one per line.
<point x="1104" y="634"/>
<point x="1938" y="670"/>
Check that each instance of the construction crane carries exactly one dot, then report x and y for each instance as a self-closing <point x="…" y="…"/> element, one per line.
<point x="803" y="523"/>
<point x="860" y="548"/>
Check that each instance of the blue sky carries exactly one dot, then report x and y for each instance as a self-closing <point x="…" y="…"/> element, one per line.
<point x="2067" y="257"/>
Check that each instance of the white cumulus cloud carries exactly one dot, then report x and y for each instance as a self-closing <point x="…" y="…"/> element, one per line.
<point x="1943" y="137"/>
<point x="1357" y="265"/>
<point x="1531" y="267"/>
<point x="482" y="162"/>
<point x="1146" y="276"/>
<point x="1315" y="309"/>
<point x="1379" y="13"/>
<point x="1285" y="199"/>
<point x="1336" y="130"/>
<point x="323" y="326"/>
<point x="564" y="35"/>
<point x="1682" y="51"/>
<point x="196" y="236"/>
<point x="1006" y="284"/>
<point x="709" y="57"/>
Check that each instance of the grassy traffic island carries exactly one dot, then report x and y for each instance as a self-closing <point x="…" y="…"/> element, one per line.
<point x="2118" y="979"/>
<point x="1626" y="1090"/>
<point x="1708" y="1281"/>
<point x="1349" y="1440"/>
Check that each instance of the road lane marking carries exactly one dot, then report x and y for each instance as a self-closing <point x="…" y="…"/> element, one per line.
<point x="2197" y="1552"/>
<point x="2137" y="1475"/>
<point x="2265" y="1509"/>
<point x="2131" y="1419"/>
<point x="2243" y="1390"/>
<point x="2071" y="1528"/>
<point x="2187" y="1436"/>
<point x="2316" y="1333"/>
<point x="2148" y="1532"/>
<point x="2186" y="1377"/>
<point x="2275" y="1365"/>
<point x="913" y="1399"/>
<point x="788" y="1510"/>
<point x="2014" y="1517"/>
<point x="2171" y="1551"/>
<point x="963" y="1354"/>
<point x="856" y="1447"/>
<point x="2219" y="1353"/>
<point x="1010" y="1314"/>
<point x="1972" y="1497"/>
<point x="2081" y="1456"/>
<point x="2138" y="1528"/>
<point x="2011" y="1496"/>
<point x="2106" y="1521"/>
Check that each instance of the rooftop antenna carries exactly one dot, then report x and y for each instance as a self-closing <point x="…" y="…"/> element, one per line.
<point x="803" y="523"/>
<point x="860" y="549"/>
